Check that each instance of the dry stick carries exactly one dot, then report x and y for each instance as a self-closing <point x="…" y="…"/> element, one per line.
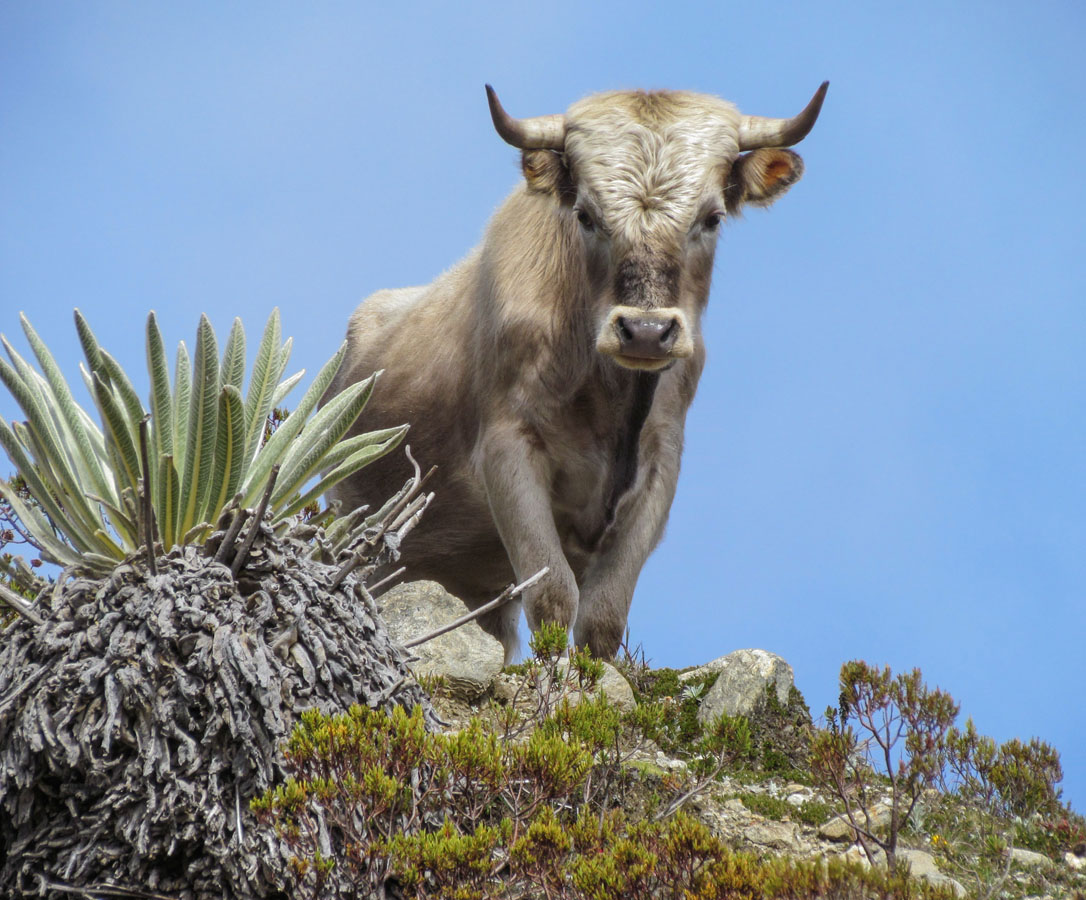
<point x="390" y="518"/>
<point x="247" y="544"/>
<point x="233" y="531"/>
<point x="697" y="788"/>
<point x="404" y="523"/>
<point x="408" y="497"/>
<point x="390" y="577"/>
<point x="103" y="890"/>
<point x="394" y="515"/>
<point x="147" y="510"/>
<point x="19" y="604"/>
<point x="409" y="512"/>
<point x="508" y="594"/>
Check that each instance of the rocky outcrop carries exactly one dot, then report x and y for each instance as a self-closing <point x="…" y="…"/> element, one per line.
<point x="742" y="679"/>
<point x="753" y="683"/>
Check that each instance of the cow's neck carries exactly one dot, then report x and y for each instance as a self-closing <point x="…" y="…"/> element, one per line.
<point x="624" y="471"/>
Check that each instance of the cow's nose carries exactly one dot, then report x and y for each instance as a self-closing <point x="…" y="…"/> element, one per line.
<point x="647" y="338"/>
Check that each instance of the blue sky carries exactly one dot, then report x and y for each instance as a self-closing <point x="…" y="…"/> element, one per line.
<point x="886" y="459"/>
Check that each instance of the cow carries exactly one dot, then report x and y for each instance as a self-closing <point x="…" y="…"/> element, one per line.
<point x="549" y="373"/>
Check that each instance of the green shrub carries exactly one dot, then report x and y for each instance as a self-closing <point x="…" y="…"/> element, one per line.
<point x="904" y="726"/>
<point x="467" y="816"/>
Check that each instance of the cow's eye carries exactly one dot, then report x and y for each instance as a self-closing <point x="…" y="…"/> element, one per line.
<point x="586" y="220"/>
<point x="712" y="221"/>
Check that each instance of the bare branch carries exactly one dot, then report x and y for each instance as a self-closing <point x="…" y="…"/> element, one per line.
<point x="19" y="604"/>
<point x="231" y="536"/>
<point x="508" y="594"/>
<point x="392" y="576"/>
<point x="243" y="552"/>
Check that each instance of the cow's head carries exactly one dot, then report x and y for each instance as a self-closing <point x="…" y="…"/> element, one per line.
<point x="643" y="182"/>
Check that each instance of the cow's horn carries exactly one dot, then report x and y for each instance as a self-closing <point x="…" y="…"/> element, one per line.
<point x="540" y="133"/>
<point x="757" y="131"/>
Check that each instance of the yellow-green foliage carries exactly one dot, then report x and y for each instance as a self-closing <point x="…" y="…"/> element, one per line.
<point x="466" y="816"/>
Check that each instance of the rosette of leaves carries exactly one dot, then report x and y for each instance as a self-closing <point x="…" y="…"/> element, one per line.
<point x="148" y="692"/>
<point x="170" y="469"/>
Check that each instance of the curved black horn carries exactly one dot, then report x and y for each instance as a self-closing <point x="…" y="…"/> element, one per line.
<point x="758" y="131"/>
<point x="539" y="133"/>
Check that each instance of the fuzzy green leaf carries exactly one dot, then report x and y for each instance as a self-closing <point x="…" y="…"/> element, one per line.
<point x="167" y="501"/>
<point x="352" y="464"/>
<point x="285" y="388"/>
<point x="75" y="530"/>
<point x="203" y="416"/>
<point x="118" y="435"/>
<point x="262" y="382"/>
<point x="233" y="356"/>
<point x="182" y="401"/>
<point x="349" y="446"/>
<point x="319" y="436"/>
<point x="229" y="451"/>
<point x="86" y="457"/>
<point x="276" y="447"/>
<point x="161" y="398"/>
<point x="52" y="549"/>
<point x="124" y="392"/>
<point x="91" y="347"/>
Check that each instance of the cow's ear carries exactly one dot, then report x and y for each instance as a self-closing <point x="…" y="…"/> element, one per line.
<point x="547" y="173"/>
<point x="760" y="177"/>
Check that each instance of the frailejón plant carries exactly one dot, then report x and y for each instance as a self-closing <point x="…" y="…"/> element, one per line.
<point x="171" y="469"/>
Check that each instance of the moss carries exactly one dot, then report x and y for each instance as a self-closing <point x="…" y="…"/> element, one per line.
<point x="767" y="806"/>
<point x="814" y="813"/>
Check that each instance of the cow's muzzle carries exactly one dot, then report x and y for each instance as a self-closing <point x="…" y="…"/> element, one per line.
<point x="647" y="339"/>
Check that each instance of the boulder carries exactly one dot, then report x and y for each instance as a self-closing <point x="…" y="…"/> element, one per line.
<point x="466" y="659"/>
<point x="1029" y="859"/>
<point x="773" y="835"/>
<point x="922" y="865"/>
<point x="615" y="688"/>
<point x="839" y="829"/>
<point x="741" y="685"/>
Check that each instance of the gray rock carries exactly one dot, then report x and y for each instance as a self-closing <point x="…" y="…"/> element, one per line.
<point x="922" y="865"/>
<point x="774" y="835"/>
<point x="467" y="659"/>
<point x="855" y="855"/>
<point x="617" y="689"/>
<point x="839" y="829"/>
<point x="613" y="686"/>
<point x="1028" y="859"/>
<point x="741" y="685"/>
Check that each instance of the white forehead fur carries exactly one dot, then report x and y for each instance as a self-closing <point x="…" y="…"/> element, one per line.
<point x="650" y="160"/>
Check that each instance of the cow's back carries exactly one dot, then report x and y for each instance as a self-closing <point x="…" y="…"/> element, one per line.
<point x="418" y="338"/>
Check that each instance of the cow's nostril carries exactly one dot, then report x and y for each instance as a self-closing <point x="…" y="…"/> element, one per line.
<point x="624" y="333"/>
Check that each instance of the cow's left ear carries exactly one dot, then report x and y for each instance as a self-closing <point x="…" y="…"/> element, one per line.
<point x="760" y="177"/>
<point x="547" y="173"/>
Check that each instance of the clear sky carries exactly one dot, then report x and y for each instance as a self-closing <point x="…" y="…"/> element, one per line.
<point x="887" y="456"/>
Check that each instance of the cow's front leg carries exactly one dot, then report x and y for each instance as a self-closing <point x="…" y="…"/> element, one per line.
<point x="517" y="480"/>
<point x="608" y="584"/>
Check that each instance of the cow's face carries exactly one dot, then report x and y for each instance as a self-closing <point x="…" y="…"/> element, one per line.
<point x="643" y="183"/>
